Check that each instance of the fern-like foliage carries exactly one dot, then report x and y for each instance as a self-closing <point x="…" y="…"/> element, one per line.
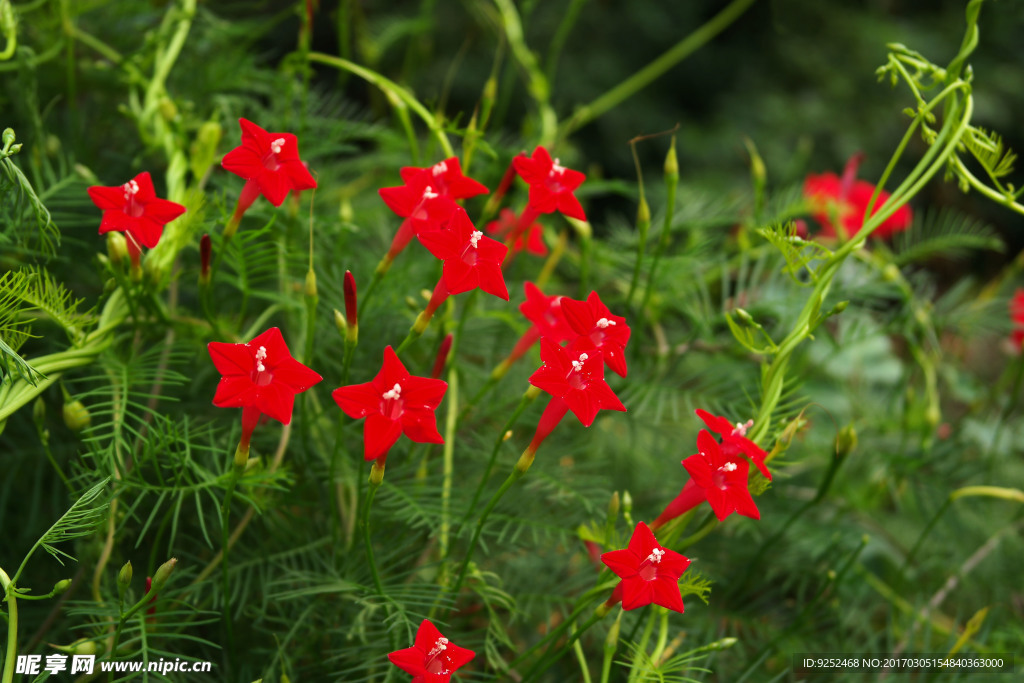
<point x="33" y="289"/>
<point x="947" y="233"/>
<point x="990" y="151"/>
<point x="81" y="519"/>
<point x="21" y="208"/>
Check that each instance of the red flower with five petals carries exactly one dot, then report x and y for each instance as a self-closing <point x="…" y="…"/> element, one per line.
<point x="531" y="238"/>
<point x="392" y="403"/>
<point x="269" y="162"/>
<point x="1017" y="316"/>
<point x="551" y="184"/>
<point x="846" y="199"/>
<point x="734" y="440"/>
<point x="261" y="377"/>
<point x="592" y="320"/>
<point x="427" y="199"/>
<point x="577" y="378"/>
<point x="134" y="209"/>
<point x="722" y="478"/>
<point x="471" y="259"/>
<point x="649" y="572"/>
<point x="432" y="658"/>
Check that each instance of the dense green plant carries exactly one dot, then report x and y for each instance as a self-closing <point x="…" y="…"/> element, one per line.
<point x="890" y="424"/>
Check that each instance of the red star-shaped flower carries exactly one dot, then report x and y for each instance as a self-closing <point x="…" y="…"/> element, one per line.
<point x="260" y="377"/>
<point x="134" y="209"/>
<point x="392" y="403"/>
<point x="577" y="377"/>
<point x="649" y="572"/>
<point x="1017" y="316"/>
<point x="734" y="440"/>
<point x="847" y="198"/>
<point x="531" y="239"/>
<point x="592" y="320"/>
<point x="270" y="161"/>
<point x="433" y="658"/>
<point x="551" y="184"/>
<point x="723" y="478"/>
<point x="545" y="312"/>
<point x="471" y="259"/>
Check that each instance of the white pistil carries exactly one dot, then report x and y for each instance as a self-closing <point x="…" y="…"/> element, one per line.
<point x="130" y="189"/>
<point x="276" y="145"/>
<point x="261" y="355"/>
<point x="741" y="428"/>
<point x="728" y="467"/>
<point x="605" y="322"/>
<point x="393" y="392"/>
<point x="440" y="646"/>
<point x="439" y="168"/>
<point x="475" y="238"/>
<point x="656" y="555"/>
<point x="557" y="168"/>
<point x="577" y="365"/>
<point x="428" y="192"/>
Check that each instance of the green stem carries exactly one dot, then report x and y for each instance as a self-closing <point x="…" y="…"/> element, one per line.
<point x="391" y="89"/>
<point x="525" y="401"/>
<point x="371" y="491"/>
<point x="12" y="627"/>
<point x="225" y="517"/>
<point x="546" y="662"/>
<point x="512" y="479"/>
<point x="451" y="423"/>
<point x="659" y="66"/>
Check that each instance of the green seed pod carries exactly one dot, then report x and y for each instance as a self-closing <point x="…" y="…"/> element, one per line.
<point x="82" y="646"/>
<point x="39" y="413"/>
<point x="846" y="441"/>
<point x="672" y="164"/>
<point x="76" y="416"/>
<point x="162" y="574"/>
<point x="310" y="284"/>
<point x="8" y="137"/>
<point x="168" y="109"/>
<point x="124" y="577"/>
<point x="117" y="248"/>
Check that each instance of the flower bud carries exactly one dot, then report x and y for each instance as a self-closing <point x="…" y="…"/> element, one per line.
<point x="613" y="507"/>
<point x="76" y="416"/>
<point x="672" y="164"/>
<point x="82" y="646"/>
<point x="39" y="413"/>
<point x="340" y="323"/>
<point x="61" y="587"/>
<point x="124" y="577"/>
<point x="846" y="441"/>
<point x="117" y="248"/>
<point x="8" y="137"/>
<point x="345" y="212"/>
<point x="163" y="573"/>
<point x="891" y="273"/>
<point x="611" y="641"/>
<point x="643" y="219"/>
<point x="442" y="356"/>
<point x="205" y="251"/>
<point x="351" y="308"/>
<point x="310" y="289"/>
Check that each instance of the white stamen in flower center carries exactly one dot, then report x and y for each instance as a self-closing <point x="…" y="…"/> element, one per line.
<point x="428" y="192"/>
<point x="130" y="188"/>
<point x="605" y="322"/>
<point x="656" y="555"/>
<point x="393" y="392"/>
<point x="741" y="428"/>
<point x="440" y="646"/>
<point x="557" y="168"/>
<point x="439" y="168"/>
<point x="728" y="467"/>
<point x="276" y="145"/>
<point x="577" y="365"/>
<point x="261" y="355"/>
<point x="475" y="237"/>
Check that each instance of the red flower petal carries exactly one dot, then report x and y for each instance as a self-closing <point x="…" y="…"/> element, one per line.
<point x="379" y="435"/>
